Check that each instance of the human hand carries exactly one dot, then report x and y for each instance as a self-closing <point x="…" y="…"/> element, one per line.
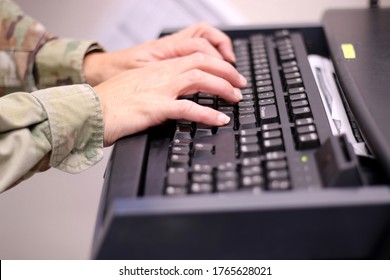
<point x="100" y="66"/>
<point x="143" y="97"/>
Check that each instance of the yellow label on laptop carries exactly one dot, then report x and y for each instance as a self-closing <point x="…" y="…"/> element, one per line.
<point x="348" y="51"/>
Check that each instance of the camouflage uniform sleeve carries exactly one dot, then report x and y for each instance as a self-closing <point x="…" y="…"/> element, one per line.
<point x="31" y="58"/>
<point x="60" y="62"/>
<point x="60" y="127"/>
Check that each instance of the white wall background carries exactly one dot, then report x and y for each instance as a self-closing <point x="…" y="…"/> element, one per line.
<point x="52" y="215"/>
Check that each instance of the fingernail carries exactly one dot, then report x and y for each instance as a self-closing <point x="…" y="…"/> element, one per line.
<point x="223" y="119"/>
<point x="233" y="57"/>
<point x="237" y="92"/>
<point x="243" y="80"/>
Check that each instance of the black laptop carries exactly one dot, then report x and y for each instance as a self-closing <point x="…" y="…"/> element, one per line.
<point x="300" y="172"/>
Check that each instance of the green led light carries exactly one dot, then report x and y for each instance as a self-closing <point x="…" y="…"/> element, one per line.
<point x="304" y="159"/>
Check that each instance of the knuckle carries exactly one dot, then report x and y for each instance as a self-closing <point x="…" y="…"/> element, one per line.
<point x="194" y="75"/>
<point x="186" y="107"/>
<point x="201" y="43"/>
<point x="198" y="57"/>
<point x="203" y="25"/>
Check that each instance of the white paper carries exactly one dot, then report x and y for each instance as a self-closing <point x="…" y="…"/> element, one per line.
<point x="323" y="72"/>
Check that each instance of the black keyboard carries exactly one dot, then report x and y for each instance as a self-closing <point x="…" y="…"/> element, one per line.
<point x="269" y="184"/>
<point x="273" y="132"/>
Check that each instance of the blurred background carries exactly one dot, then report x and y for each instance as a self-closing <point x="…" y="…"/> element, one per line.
<point x="52" y="215"/>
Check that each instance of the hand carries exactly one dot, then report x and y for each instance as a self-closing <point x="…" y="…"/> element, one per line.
<point x="100" y="66"/>
<point x="143" y="97"/>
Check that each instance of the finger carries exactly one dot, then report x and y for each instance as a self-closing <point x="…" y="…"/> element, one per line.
<point x="217" y="38"/>
<point x="188" y="110"/>
<point x="194" y="45"/>
<point x="195" y="80"/>
<point x="210" y="65"/>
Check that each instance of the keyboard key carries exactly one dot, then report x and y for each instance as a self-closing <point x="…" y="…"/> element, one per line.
<point x="247" y="91"/>
<point x="299" y="103"/>
<point x="277" y="174"/>
<point x="203" y="150"/>
<point x="269" y="101"/>
<point x="251" y="170"/>
<point x="263" y="83"/>
<point x="286" y="57"/>
<point x="202" y="131"/>
<point x="262" y="71"/>
<point x="277" y="164"/>
<point x="292" y="75"/>
<point x="292" y="83"/>
<point x="285" y="50"/>
<point x="249" y="150"/>
<point x="251" y="161"/>
<point x="177" y="177"/>
<point x="289" y="64"/>
<point x="247" y="132"/>
<point x="296" y="97"/>
<point x="302" y="112"/>
<point x="287" y="70"/>
<point x="266" y="95"/>
<point x="229" y="126"/>
<point x="180" y="150"/>
<point x="252" y="181"/>
<point x="228" y="166"/>
<point x="198" y="188"/>
<point x="244" y="110"/>
<point x="273" y="144"/>
<point x="228" y="175"/>
<point x="272" y="134"/>
<point x="182" y="135"/>
<point x="181" y="142"/>
<point x="179" y="160"/>
<point x="260" y="64"/>
<point x="275" y="155"/>
<point x="202" y="168"/>
<point x="308" y="141"/>
<point x="270" y="126"/>
<point x="279" y="185"/>
<point x="268" y="114"/>
<point x="264" y="89"/>
<point x="176" y="190"/>
<point x="248" y="140"/>
<point x="226" y="186"/>
<point x="281" y="34"/>
<point x="296" y="90"/>
<point x="306" y="129"/>
<point x="261" y="77"/>
<point x="305" y="121"/>
<point x="205" y="95"/>
<point x="202" y="178"/>
<point x="247" y="121"/>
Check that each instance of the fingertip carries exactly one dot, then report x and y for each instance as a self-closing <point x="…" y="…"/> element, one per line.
<point x="227" y="53"/>
<point x="237" y="93"/>
<point x="243" y="80"/>
<point x="223" y="119"/>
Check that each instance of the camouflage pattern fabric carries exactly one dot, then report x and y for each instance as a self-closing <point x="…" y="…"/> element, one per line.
<point x="60" y="126"/>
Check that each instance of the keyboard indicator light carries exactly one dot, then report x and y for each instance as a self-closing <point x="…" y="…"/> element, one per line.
<point x="304" y="159"/>
<point x="348" y="51"/>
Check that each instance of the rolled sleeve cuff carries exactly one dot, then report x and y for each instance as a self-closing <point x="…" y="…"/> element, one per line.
<point x="60" y="62"/>
<point x="76" y="124"/>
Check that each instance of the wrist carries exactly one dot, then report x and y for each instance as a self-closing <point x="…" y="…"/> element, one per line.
<point x="92" y="64"/>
